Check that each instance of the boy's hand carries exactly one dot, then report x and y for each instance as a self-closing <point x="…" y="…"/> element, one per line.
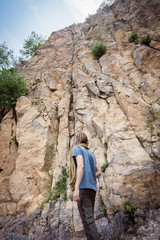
<point x="76" y="195"/>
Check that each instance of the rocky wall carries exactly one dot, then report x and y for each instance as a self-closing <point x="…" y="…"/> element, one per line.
<point x="115" y="100"/>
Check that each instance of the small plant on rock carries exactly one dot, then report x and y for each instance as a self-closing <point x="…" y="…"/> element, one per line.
<point x="60" y="186"/>
<point x="129" y="212"/>
<point x="98" y="50"/>
<point x="103" y="209"/>
<point x="71" y="197"/>
<point x="105" y="144"/>
<point x="48" y="198"/>
<point x="146" y="40"/>
<point x="134" y="37"/>
<point x="89" y="17"/>
<point x="115" y="210"/>
<point x="147" y="204"/>
<point x="65" y="196"/>
<point x="104" y="166"/>
<point x="58" y="189"/>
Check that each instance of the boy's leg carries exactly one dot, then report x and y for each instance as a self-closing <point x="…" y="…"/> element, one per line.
<point x="85" y="207"/>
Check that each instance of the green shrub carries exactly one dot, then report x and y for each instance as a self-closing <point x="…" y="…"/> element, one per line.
<point x="128" y="207"/>
<point x="133" y="37"/>
<point x="146" y="40"/>
<point x="71" y="197"/>
<point x="48" y="198"/>
<point x="12" y="86"/>
<point x="59" y="188"/>
<point x="146" y="204"/>
<point x="115" y="210"/>
<point x="104" y="166"/>
<point x="89" y="17"/>
<point x="98" y="50"/>
<point x="104" y="209"/>
<point x="65" y="196"/>
<point x="129" y="212"/>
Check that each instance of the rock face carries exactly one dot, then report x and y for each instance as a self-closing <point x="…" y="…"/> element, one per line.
<point x="115" y="100"/>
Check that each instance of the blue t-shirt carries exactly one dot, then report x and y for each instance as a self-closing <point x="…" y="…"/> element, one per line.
<point x="89" y="175"/>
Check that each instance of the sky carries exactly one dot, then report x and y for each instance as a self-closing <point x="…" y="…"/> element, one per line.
<point x="18" y="18"/>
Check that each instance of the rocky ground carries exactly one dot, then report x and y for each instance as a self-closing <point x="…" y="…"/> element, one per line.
<point x="45" y="225"/>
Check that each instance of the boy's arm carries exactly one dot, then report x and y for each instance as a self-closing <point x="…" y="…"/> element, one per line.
<point x="98" y="171"/>
<point x="79" y="175"/>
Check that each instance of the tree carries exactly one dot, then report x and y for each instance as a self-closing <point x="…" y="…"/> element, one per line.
<point x="6" y="56"/>
<point x="12" y="86"/>
<point x="31" y="44"/>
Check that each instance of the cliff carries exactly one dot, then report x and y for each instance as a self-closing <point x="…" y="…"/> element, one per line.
<point x="115" y="100"/>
